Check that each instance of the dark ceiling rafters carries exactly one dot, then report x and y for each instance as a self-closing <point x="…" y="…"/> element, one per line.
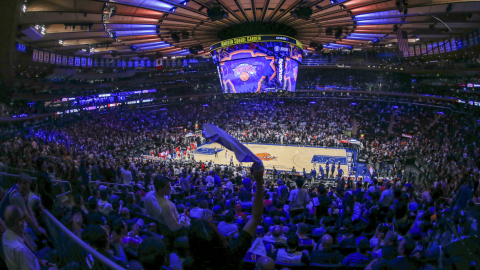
<point x="279" y="6"/>
<point x="265" y="9"/>
<point x="241" y="10"/>
<point x="254" y="11"/>
<point x="228" y="10"/>
<point x="204" y="32"/>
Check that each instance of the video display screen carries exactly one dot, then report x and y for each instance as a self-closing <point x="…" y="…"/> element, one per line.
<point x="258" y="67"/>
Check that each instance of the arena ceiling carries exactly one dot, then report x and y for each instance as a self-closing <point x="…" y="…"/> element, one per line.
<point x="148" y="25"/>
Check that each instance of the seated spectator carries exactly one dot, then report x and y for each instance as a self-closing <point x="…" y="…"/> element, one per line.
<point x="325" y="254"/>
<point x="275" y="236"/>
<point x="239" y="213"/>
<point x="403" y="261"/>
<point x="362" y="256"/>
<point x="152" y="253"/>
<point x="351" y="240"/>
<point x="227" y="228"/>
<point x="208" y="248"/>
<point x="267" y="202"/>
<point x="302" y="230"/>
<point x="17" y="196"/>
<point x="93" y="216"/>
<point x="265" y="263"/>
<point x="96" y="236"/>
<point x="389" y="250"/>
<point x="104" y="206"/>
<point x="290" y="255"/>
<point x="17" y="254"/>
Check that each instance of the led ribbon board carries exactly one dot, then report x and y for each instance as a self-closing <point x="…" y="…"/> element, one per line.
<point x="258" y="38"/>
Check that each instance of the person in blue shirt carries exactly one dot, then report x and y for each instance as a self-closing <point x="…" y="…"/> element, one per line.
<point x="354" y="171"/>
<point x="313" y="172"/>
<point x="327" y="169"/>
<point x="379" y="170"/>
<point x="304" y="173"/>
<point x="320" y="169"/>
<point x="328" y="163"/>
<point x="340" y="171"/>
<point x="388" y="170"/>
<point x="333" y="169"/>
<point x="364" y="171"/>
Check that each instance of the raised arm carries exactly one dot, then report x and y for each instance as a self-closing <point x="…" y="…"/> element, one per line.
<point x="257" y="209"/>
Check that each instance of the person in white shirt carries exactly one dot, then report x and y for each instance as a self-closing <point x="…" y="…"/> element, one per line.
<point x="126" y="175"/>
<point x="17" y="254"/>
<point x="227" y="228"/>
<point x="210" y="179"/>
<point x="160" y="208"/>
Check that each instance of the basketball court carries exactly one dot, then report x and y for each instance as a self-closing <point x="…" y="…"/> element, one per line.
<point x="280" y="156"/>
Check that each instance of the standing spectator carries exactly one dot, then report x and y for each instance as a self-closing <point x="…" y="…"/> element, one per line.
<point x="44" y="184"/>
<point x="299" y="199"/>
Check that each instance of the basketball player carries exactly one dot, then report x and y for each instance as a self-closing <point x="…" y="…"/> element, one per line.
<point x="320" y="169"/>
<point x="226" y="155"/>
<point x="215" y="151"/>
<point x="333" y="169"/>
<point x="327" y="169"/>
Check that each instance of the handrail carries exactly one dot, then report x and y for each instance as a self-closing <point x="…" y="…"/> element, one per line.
<point x="107" y="183"/>
<point x="82" y="244"/>
<point x="33" y="177"/>
<point x="23" y="170"/>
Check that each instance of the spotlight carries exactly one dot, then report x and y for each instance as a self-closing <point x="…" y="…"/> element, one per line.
<point x="73" y="28"/>
<point x="303" y="13"/>
<point x="60" y="42"/>
<point x="185" y="3"/>
<point x="173" y="9"/>
<point x="417" y="39"/>
<point x="175" y="38"/>
<point x="376" y="40"/>
<point x="333" y="1"/>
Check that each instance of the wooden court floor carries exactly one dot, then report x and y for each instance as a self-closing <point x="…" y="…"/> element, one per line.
<point x="280" y="156"/>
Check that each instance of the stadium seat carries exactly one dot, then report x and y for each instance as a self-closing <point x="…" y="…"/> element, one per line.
<point x="348" y="250"/>
<point x="248" y="265"/>
<point x="291" y="266"/>
<point x="326" y="266"/>
<point x="356" y="267"/>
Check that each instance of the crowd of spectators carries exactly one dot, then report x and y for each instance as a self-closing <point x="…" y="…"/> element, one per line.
<point x="186" y="214"/>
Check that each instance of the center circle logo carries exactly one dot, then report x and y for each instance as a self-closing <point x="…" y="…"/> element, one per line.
<point x="265" y="156"/>
<point x="244" y="76"/>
